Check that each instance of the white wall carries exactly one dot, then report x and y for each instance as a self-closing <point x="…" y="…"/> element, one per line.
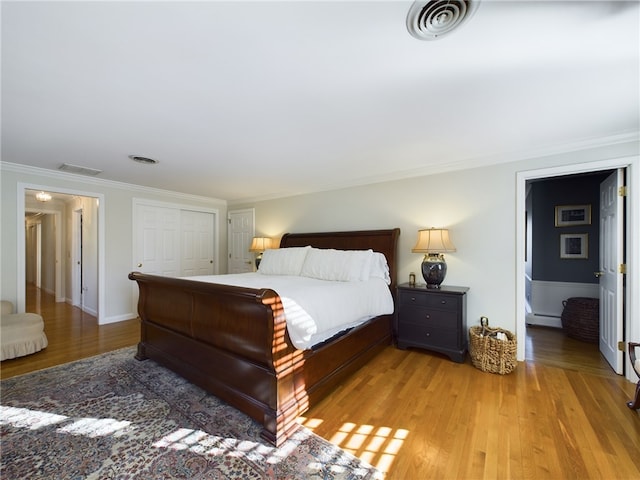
<point x="120" y="295"/>
<point x="477" y="205"/>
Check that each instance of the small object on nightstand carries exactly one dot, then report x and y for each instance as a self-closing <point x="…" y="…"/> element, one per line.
<point x="412" y="279"/>
<point x="433" y="319"/>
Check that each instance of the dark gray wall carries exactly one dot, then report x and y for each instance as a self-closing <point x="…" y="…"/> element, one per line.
<point x="546" y="195"/>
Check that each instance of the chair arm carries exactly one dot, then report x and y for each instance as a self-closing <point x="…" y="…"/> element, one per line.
<point x="632" y="355"/>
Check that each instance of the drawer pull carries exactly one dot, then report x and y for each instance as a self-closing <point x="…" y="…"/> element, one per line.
<point x="427" y="316"/>
<point x="413" y="299"/>
<point x="428" y="334"/>
<point x="443" y="302"/>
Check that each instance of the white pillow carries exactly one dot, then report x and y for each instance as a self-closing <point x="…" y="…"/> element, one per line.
<point x="380" y="267"/>
<point x="283" y="261"/>
<point x="337" y="265"/>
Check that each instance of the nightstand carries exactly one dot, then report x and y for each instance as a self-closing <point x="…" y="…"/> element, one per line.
<point x="433" y="318"/>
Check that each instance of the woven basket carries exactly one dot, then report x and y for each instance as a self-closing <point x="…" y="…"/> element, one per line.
<point x="490" y="354"/>
<point x="581" y="318"/>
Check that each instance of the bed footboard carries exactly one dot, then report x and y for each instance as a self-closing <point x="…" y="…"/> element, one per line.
<point x="231" y="341"/>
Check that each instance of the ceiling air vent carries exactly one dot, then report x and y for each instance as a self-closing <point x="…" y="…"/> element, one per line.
<point x="143" y="160"/>
<point x="67" y="167"/>
<point x="435" y="18"/>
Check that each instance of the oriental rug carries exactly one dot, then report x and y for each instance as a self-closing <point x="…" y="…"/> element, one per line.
<point x="113" y="417"/>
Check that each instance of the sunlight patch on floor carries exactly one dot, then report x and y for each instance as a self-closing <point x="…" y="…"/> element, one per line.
<point x="33" y="420"/>
<point x="378" y="446"/>
<point x="25" y="418"/>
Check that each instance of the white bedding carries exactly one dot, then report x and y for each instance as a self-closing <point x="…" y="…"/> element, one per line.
<point x="317" y="309"/>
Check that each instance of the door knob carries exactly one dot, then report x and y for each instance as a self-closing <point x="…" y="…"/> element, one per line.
<point x="598" y="274"/>
<point x="139" y="265"/>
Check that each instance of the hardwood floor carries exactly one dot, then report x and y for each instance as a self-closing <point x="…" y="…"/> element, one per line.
<point x="71" y="333"/>
<point x="416" y="415"/>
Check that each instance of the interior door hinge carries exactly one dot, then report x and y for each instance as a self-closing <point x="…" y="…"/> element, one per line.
<point x="623" y="268"/>
<point x="229" y="221"/>
<point x="621" y="346"/>
<point x="622" y="191"/>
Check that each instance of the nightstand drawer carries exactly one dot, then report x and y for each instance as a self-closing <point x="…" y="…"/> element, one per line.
<point x="441" y="319"/>
<point x="442" y="302"/>
<point x="425" y="334"/>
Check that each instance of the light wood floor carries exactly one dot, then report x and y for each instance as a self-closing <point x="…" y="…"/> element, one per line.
<point x="562" y="414"/>
<point x="72" y="334"/>
<point x="417" y="415"/>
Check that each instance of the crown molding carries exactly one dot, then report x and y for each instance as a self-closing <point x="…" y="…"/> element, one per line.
<point x="471" y="162"/>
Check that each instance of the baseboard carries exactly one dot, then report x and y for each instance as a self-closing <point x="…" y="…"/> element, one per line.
<point x="547" y="297"/>
<point x="543" y="320"/>
<point x="118" y="318"/>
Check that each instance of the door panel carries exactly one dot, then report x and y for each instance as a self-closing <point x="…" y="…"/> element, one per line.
<point x="611" y="248"/>
<point x="197" y="243"/>
<point x="158" y="240"/>
<point x="241" y="230"/>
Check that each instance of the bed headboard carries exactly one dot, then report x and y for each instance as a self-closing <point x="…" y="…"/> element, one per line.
<point x="383" y="241"/>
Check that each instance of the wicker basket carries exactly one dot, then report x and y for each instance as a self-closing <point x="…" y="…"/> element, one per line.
<point x="581" y="318"/>
<point x="490" y="354"/>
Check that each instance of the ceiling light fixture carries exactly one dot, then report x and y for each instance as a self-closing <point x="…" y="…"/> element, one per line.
<point x="144" y="160"/>
<point x="43" y="196"/>
<point x="433" y="19"/>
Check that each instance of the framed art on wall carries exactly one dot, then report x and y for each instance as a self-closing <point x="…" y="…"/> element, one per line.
<point x="574" y="245"/>
<point x="569" y="215"/>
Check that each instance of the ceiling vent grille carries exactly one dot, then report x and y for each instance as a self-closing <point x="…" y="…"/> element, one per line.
<point x="68" y="167"/>
<point x="143" y="160"/>
<point x="435" y="18"/>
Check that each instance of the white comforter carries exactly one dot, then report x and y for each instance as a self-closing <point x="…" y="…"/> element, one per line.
<point x="315" y="309"/>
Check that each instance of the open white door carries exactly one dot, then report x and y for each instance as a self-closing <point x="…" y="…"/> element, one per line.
<point x="76" y="261"/>
<point x="611" y="257"/>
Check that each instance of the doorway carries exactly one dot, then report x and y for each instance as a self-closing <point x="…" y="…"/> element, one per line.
<point x="65" y="199"/>
<point x="552" y="277"/>
<point x="631" y="289"/>
<point x="43" y="255"/>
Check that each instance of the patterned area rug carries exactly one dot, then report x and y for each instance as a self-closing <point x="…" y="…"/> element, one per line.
<point x="113" y="417"/>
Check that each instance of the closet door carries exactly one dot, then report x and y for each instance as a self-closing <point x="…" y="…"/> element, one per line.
<point x="196" y="231"/>
<point x="157" y="240"/>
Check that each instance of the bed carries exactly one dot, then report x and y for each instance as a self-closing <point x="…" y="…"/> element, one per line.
<point x="233" y="341"/>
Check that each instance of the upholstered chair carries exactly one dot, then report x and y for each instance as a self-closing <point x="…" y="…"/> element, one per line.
<point x="635" y="363"/>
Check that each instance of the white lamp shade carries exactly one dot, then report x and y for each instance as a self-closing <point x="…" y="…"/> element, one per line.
<point x="433" y="240"/>
<point x="260" y="244"/>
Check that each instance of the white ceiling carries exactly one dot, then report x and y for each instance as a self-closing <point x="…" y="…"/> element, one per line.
<point x="245" y="100"/>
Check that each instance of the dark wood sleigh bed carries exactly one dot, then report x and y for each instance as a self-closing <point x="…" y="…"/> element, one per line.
<point x="233" y="342"/>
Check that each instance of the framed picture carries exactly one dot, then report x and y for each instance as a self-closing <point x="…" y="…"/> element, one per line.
<point x="574" y="245"/>
<point x="568" y="215"/>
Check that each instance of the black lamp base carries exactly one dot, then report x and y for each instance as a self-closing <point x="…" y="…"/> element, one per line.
<point x="434" y="269"/>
